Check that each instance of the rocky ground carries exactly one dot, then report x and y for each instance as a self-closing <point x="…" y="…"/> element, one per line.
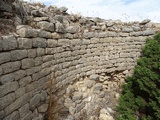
<point x="91" y="98"/>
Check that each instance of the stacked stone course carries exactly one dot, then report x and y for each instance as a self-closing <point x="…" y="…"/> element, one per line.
<point x="72" y="46"/>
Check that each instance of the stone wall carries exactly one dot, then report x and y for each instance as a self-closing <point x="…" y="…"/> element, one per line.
<point x="64" y="49"/>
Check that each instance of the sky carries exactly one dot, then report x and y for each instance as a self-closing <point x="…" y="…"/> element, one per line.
<point x="124" y="10"/>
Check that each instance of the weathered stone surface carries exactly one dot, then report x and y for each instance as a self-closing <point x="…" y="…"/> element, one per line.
<point x="28" y="116"/>
<point x="32" y="53"/>
<point x="94" y="77"/>
<point x="72" y="29"/>
<point x="44" y="34"/>
<point x="44" y="25"/>
<point x="52" y="43"/>
<point x="72" y="110"/>
<point x="6" y="100"/>
<point x="40" y="51"/>
<point x="1" y="115"/>
<point x="5" y="57"/>
<point x="76" y="96"/>
<point x="97" y="86"/>
<point x="6" y="88"/>
<point x="43" y="108"/>
<point x="148" y="32"/>
<point x="39" y="42"/>
<point x="18" y="54"/>
<point x="145" y="21"/>
<point x="35" y="101"/>
<point x="24" y="43"/>
<point x="1" y="71"/>
<point x="38" y="19"/>
<point x="9" y="42"/>
<point x="110" y="23"/>
<point x="60" y="28"/>
<point x="7" y="78"/>
<point x="19" y="74"/>
<point x="13" y="116"/>
<point x="56" y="35"/>
<point x="26" y="31"/>
<point x="27" y="63"/>
<point x="24" y="110"/>
<point x="63" y="9"/>
<point x="20" y="92"/>
<point x="136" y="33"/>
<point x="24" y="81"/>
<point x="65" y="42"/>
<point x="126" y="29"/>
<point x="17" y="104"/>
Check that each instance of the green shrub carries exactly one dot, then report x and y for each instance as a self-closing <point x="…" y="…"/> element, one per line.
<point x="140" y="99"/>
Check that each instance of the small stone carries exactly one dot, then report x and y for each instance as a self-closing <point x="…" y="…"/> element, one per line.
<point x="72" y="29"/>
<point x="77" y="96"/>
<point x="94" y="77"/>
<point x="105" y="117"/>
<point x="70" y="89"/>
<point x="90" y="83"/>
<point x="97" y="86"/>
<point x="148" y="32"/>
<point x="102" y="94"/>
<point x="6" y="78"/>
<point x="43" y="108"/>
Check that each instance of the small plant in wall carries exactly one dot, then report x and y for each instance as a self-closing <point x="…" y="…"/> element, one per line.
<point x="140" y="99"/>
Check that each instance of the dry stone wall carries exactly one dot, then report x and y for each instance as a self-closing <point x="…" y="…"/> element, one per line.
<point x="66" y="49"/>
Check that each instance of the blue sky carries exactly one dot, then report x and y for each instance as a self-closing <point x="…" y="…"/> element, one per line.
<point x="125" y="10"/>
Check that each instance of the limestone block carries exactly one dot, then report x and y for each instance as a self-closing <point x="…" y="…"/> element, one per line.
<point x="35" y="101"/>
<point x="63" y="9"/>
<point x="60" y="28"/>
<point x="89" y="35"/>
<point x="44" y="34"/>
<point x="127" y="29"/>
<point x="18" y="54"/>
<point x="148" y="32"/>
<point x="7" y="78"/>
<point x="19" y="74"/>
<point x="24" y="81"/>
<point x="39" y="42"/>
<point x="44" y="25"/>
<point x="6" y="100"/>
<point x="145" y="21"/>
<point x="64" y="42"/>
<point x="136" y="33"/>
<point x="32" y="53"/>
<point x="33" y="70"/>
<point x="56" y="35"/>
<point x="75" y="42"/>
<point x="47" y="58"/>
<point x="52" y="43"/>
<point x="40" y="51"/>
<point x="32" y="85"/>
<point x="8" y="43"/>
<point x="26" y="31"/>
<point x="17" y="103"/>
<point x="11" y="66"/>
<point x="1" y="71"/>
<point x="20" y="92"/>
<point x="24" y="43"/>
<point x="23" y="110"/>
<point x="5" y="57"/>
<point x="43" y="108"/>
<point x="69" y="35"/>
<point x="28" y="116"/>
<point x="27" y="63"/>
<point x="1" y="114"/>
<point x="110" y="23"/>
<point x="38" y="61"/>
<point x="13" y="116"/>
<point x="72" y="29"/>
<point x="6" y="88"/>
<point x="112" y="34"/>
